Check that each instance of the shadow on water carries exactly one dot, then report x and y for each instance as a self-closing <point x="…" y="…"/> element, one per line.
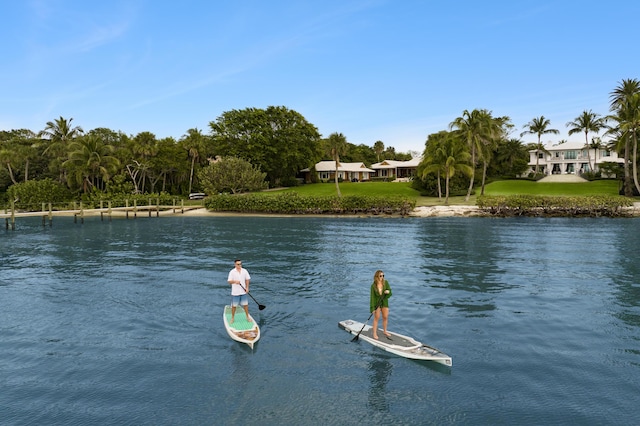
<point x="379" y="374"/>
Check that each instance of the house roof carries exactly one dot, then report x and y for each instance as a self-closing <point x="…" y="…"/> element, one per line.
<point x="393" y="164"/>
<point x="330" y="166"/>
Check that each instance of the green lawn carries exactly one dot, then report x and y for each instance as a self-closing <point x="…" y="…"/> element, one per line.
<point x="402" y="189"/>
<point x="518" y="187"/>
<point x="505" y="187"/>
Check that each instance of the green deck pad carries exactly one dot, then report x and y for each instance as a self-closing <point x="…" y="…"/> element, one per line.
<point x="240" y="319"/>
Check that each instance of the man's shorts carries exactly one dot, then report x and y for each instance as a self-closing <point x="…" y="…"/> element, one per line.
<point x="239" y="300"/>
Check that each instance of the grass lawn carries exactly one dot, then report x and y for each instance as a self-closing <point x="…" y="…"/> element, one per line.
<point x="516" y="187"/>
<point x="505" y="187"/>
<point x="399" y="189"/>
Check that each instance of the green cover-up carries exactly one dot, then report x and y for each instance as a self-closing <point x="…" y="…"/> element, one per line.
<point x="375" y="297"/>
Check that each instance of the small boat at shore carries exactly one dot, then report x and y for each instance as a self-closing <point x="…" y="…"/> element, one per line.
<point x="397" y="344"/>
<point x="241" y="330"/>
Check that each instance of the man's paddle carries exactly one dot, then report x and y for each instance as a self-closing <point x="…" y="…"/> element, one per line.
<point x="365" y="324"/>
<point x="260" y="307"/>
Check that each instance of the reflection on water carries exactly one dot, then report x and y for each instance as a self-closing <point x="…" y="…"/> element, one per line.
<point x="379" y="374"/>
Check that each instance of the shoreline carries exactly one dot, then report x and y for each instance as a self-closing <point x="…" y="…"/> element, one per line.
<point x="419" y="212"/>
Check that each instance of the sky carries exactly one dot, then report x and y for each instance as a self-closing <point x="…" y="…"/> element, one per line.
<point x="394" y="71"/>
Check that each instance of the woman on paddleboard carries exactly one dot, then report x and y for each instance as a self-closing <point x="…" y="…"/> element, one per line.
<point x="379" y="303"/>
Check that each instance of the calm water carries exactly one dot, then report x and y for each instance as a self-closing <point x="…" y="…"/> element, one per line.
<point x="120" y="322"/>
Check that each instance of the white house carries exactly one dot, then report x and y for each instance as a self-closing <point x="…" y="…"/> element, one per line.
<point x="396" y="169"/>
<point x="570" y="158"/>
<point x="346" y="171"/>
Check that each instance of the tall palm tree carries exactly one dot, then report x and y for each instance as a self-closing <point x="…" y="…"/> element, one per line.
<point x="378" y="148"/>
<point x="496" y="130"/>
<point x="449" y="155"/>
<point x="144" y="147"/>
<point x="60" y="133"/>
<point x="477" y="128"/>
<point x="538" y="126"/>
<point x="623" y="104"/>
<point x="193" y="142"/>
<point x="337" y="146"/>
<point x="586" y="122"/>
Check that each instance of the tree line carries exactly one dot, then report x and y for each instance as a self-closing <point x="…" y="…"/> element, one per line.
<point x="478" y="144"/>
<point x="276" y="141"/>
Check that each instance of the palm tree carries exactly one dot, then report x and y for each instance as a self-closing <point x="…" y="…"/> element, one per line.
<point x="588" y="121"/>
<point x="337" y="146"/>
<point x="624" y="104"/>
<point x="511" y="157"/>
<point x="496" y="130"/>
<point x="59" y="132"/>
<point x="193" y="142"/>
<point x="91" y="162"/>
<point x="145" y="146"/>
<point x="448" y="156"/>
<point x="538" y="126"/>
<point x="378" y="148"/>
<point x="478" y="129"/>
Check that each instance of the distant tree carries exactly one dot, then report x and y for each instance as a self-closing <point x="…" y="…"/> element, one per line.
<point x="277" y="140"/>
<point x="586" y="122"/>
<point x="378" y="147"/>
<point x="337" y="146"/>
<point x="144" y="146"/>
<point x="511" y="157"/>
<point x="231" y="174"/>
<point x="194" y="143"/>
<point x="446" y="154"/>
<point x="90" y="162"/>
<point x="478" y="129"/>
<point x="538" y="126"/>
<point x="625" y="107"/>
<point x="59" y="134"/>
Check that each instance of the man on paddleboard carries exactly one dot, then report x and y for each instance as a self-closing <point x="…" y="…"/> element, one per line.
<point x="239" y="281"/>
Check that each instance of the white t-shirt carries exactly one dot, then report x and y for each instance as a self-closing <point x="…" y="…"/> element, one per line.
<point x="242" y="276"/>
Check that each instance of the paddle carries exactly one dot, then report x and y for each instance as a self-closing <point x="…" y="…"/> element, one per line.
<point x="260" y="307"/>
<point x="365" y="324"/>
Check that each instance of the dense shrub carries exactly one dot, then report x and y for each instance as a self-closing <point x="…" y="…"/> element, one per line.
<point x="293" y="203"/>
<point x="30" y="195"/>
<point x="541" y="205"/>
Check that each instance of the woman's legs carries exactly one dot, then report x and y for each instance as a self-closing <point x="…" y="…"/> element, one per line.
<point x="376" y="317"/>
<point x="385" y="320"/>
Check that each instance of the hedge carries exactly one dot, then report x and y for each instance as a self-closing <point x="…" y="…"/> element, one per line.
<point x="293" y="203"/>
<point x="541" y="205"/>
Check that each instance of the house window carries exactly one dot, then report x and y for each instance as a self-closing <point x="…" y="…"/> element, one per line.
<point x="324" y="175"/>
<point x="605" y="153"/>
<point x="570" y="155"/>
<point x="557" y="154"/>
<point x="541" y="155"/>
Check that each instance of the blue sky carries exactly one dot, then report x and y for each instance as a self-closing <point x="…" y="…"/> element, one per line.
<point x="388" y="70"/>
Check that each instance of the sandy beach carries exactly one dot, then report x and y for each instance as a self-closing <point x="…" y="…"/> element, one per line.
<point x="424" y="211"/>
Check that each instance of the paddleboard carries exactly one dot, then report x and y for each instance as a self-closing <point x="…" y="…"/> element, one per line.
<point x="396" y="343"/>
<point x="241" y="330"/>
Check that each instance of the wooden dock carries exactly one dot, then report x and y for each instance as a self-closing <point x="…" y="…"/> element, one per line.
<point x="47" y="214"/>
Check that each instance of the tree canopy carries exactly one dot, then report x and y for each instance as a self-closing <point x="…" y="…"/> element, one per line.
<point x="279" y="141"/>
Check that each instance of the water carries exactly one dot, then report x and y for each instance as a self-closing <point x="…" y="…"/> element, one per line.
<point x="120" y="322"/>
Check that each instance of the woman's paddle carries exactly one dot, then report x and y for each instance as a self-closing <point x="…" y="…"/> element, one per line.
<point x="365" y="324"/>
<point x="260" y="307"/>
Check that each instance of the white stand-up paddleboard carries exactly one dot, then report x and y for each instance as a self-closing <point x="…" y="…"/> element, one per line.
<point x="397" y="344"/>
<point x="241" y="330"/>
